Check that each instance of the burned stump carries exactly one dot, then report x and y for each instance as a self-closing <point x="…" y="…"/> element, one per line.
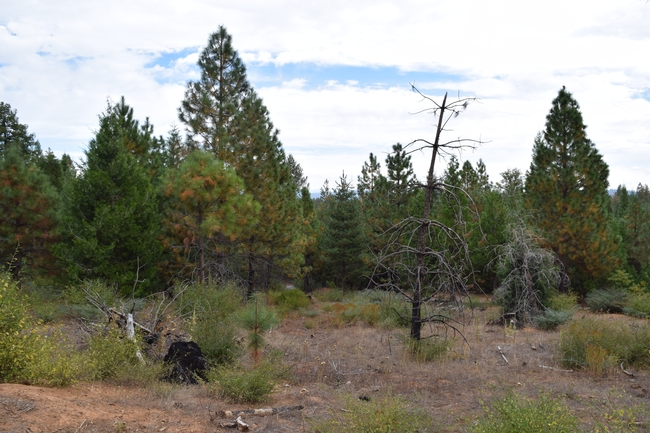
<point x="188" y="362"/>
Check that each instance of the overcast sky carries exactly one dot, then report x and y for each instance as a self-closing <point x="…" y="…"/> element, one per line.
<point x="335" y="75"/>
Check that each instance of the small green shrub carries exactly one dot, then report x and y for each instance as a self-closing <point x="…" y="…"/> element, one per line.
<point x="381" y="414"/>
<point x="551" y="319"/>
<point x="638" y="305"/>
<point x="217" y="338"/>
<point x="57" y="363"/>
<point x="18" y="341"/>
<point x="562" y="302"/>
<point x="293" y="299"/>
<point x="110" y="354"/>
<point x="240" y="385"/>
<point x="599" y="344"/>
<point x="518" y="414"/>
<point x="330" y="295"/>
<point x="209" y="299"/>
<point x="606" y="300"/>
<point x="114" y="357"/>
<point x="211" y="310"/>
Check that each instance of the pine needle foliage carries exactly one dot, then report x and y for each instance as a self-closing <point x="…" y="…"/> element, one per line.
<point x="566" y="186"/>
<point x="257" y="319"/>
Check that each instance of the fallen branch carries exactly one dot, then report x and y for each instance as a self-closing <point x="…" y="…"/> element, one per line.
<point x="258" y="412"/>
<point x="502" y="355"/>
<point x="555" y="369"/>
<point x="626" y="372"/>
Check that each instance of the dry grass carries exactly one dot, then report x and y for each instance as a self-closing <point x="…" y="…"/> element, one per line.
<point x="331" y="360"/>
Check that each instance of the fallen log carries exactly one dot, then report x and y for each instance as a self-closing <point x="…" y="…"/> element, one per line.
<point x="257" y="412"/>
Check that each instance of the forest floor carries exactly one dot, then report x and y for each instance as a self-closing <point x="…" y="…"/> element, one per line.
<point x="328" y="363"/>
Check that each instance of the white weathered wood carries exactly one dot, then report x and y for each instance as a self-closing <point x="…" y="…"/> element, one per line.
<point x="545" y="367"/>
<point x="130" y="334"/>
<point x="258" y="412"/>
<point x="502" y="355"/>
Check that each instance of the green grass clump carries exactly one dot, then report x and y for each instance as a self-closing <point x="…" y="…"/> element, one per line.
<point x="562" y="302"/>
<point x="607" y="300"/>
<point x="551" y="319"/>
<point x="427" y="350"/>
<point x="330" y="295"/>
<point x="518" y="414"/>
<point x="599" y="345"/>
<point x="381" y="414"/>
<point x="293" y="299"/>
<point x="240" y="385"/>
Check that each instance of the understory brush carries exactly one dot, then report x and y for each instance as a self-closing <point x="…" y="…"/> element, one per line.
<point x="518" y="414"/>
<point x="427" y="350"/>
<point x="211" y="315"/>
<point x="381" y="414"/>
<point x="607" y="300"/>
<point x="18" y="339"/>
<point x="600" y="345"/>
<point x="551" y="319"/>
<point x="239" y="384"/>
<point x="289" y="300"/>
<point x="373" y="307"/>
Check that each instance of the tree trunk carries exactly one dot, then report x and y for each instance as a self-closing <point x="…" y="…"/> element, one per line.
<point x="416" y="303"/>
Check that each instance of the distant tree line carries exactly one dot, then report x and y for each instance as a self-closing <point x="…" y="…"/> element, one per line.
<point x="222" y="201"/>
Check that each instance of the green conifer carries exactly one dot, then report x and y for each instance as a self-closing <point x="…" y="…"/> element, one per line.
<point x="566" y="186"/>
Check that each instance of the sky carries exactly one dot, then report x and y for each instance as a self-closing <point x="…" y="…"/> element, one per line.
<point x="336" y="76"/>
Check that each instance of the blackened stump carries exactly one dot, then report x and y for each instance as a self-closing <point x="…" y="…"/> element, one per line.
<point x="188" y="362"/>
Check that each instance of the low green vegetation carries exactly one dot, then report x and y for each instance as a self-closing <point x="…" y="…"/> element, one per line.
<point x="600" y="345"/>
<point x="210" y="310"/>
<point x="551" y="319"/>
<point x="246" y="385"/>
<point x="518" y="414"/>
<point x="292" y="299"/>
<point x="607" y="300"/>
<point x="377" y="414"/>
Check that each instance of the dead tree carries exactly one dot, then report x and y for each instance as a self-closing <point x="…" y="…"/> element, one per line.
<point x="528" y="274"/>
<point x="425" y="260"/>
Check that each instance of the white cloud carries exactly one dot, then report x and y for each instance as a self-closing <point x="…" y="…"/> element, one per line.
<point x="59" y="61"/>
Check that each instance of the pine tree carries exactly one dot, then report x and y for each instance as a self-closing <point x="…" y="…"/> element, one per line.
<point x="224" y="115"/>
<point x="58" y="170"/>
<point x="208" y="202"/>
<point x="401" y="178"/>
<point x="111" y="213"/>
<point x="212" y="103"/>
<point x="566" y="186"/>
<point x="28" y="218"/>
<point x="343" y="239"/>
<point x="14" y="133"/>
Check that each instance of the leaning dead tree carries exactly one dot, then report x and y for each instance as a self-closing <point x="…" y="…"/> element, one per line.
<point x="424" y="259"/>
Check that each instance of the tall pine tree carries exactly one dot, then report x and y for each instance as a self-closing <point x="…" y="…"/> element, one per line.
<point x="27" y="199"/>
<point x="111" y="212"/>
<point x="224" y="115"/>
<point x="343" y="238"/>
<point x="208" y="204"/>
<point x="566" y="186"/>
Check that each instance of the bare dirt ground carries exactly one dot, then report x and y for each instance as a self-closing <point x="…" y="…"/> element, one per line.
<point x="327" y="362"/>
